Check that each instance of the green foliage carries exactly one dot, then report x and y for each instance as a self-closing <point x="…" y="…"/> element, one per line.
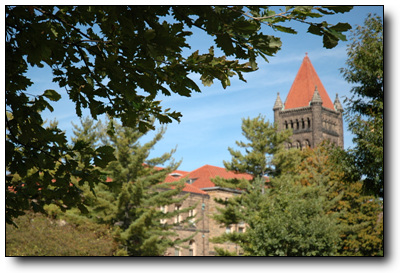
<point x="360" y="216"/>
<point x="39" y="235"/>
<point x="365" y="108"/>
<point x="362" y="221"/>
<point x="293" y="215"/>
<point x="314" y="205"/>
<point x="131" y="198"/>
<point x="294" y="221"/>
<point x="263" y="142"/>
<point x="115" y="60"/>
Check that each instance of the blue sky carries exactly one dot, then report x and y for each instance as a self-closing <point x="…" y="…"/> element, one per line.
<point x="211" y="119"/>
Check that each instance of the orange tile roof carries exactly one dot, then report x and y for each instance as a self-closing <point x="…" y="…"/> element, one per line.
<point x="204" y="174"/>
<point x="193" y="189"/>
<point x="302" y="90"/>
<point x="202" y="177"/>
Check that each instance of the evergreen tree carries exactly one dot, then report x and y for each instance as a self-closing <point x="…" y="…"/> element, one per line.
<point x="133" y="193"/>
<point x="263" y="141"/>
<point x="294" y="215"/>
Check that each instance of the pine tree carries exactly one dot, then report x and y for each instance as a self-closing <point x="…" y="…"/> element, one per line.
<point x="294" y="215"/>
<point x="132" y="200"/>
<point x="263" y="141"/>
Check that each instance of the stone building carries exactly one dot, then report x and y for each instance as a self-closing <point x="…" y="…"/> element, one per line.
<point x="203" y="192"/>
<point x="309" y="111"/>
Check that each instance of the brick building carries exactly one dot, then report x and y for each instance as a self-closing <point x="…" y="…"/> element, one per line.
<point x="309" y="111"/>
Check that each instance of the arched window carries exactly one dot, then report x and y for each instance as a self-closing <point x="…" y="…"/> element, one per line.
<point x="308" y="123"/>
<point x="192" y="248"/>
<point x="289" y="145"/>
<point x="302" y="124"/>
<point x="306" y="143"/>
<point x="297" y="124"/>
<point x="298" y="145"/>
<point x="291" y="124"/>
<point x="286" y="125"/>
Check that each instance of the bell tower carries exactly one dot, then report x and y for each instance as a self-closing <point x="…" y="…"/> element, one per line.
<point x="309" y="111"/>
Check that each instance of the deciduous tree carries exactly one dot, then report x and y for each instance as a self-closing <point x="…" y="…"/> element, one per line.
<point x="115" y="60"/>
<point x="365" y="108"/>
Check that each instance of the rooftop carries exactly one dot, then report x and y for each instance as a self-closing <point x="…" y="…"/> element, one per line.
<point x="303" y="87"/>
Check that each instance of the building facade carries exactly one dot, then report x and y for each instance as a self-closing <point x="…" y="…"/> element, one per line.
<point x="309" y="111"/>
<point x="203" y="192"/>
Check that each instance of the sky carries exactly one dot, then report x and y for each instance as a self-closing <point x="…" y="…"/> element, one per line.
<point x="212" y="119"/>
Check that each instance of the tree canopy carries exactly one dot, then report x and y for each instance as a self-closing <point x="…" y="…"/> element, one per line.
<point x="364" y="109"/>
<point x="115" y="60"/>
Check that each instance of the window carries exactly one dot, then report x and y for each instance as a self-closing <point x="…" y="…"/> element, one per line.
<point x="192" y="221"/>
<point x="308" y="123"/>
<point x="192" y="248"/>
<point x="177" y="252"/>
<point x="191" y="180"/>
<point x="178" y="216"/>
<point x="297" y="124"/>
<point x="302" y="124"/>
<point x="164" y="210"/>
<point x="286" y="125"/>
<point x="228" y="229"/>
<point x="241" y="229"/>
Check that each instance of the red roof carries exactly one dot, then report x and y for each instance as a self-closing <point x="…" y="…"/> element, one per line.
<point x="193" y="189"/>
<point x="303" y="88"/>
<point x="202" y="176"/>
<point x="175" y="176"/>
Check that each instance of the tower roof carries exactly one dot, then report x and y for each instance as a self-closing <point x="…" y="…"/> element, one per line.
<point x="303" y="87"/>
